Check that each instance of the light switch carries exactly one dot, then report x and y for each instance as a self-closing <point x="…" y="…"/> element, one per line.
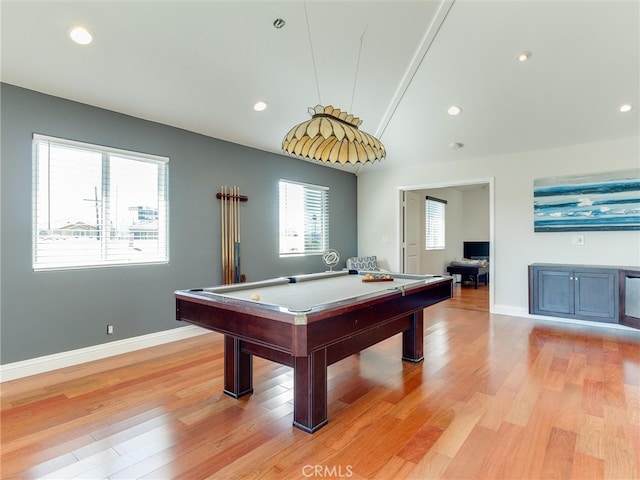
<point x="577" y="240"/>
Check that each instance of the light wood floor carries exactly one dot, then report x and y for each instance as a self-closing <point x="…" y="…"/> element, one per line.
<point x="497" y="397"/>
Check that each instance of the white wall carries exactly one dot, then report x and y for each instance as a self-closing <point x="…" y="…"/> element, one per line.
<point x="515" y="243"/>
<point x="475" y="214"/>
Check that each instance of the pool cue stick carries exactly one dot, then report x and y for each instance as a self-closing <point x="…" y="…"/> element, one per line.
<point x="238" y="214"/>
<point x="228" y="240"/>
<point x="239" y="229"/>
<point x="232" y="208"/>
<point x="226" y="237"/>
<point x="222" y="235"/>
<point x="229" y="237"/>
<point x="236" y="243"/>
<point x="230" y="233"/>
<point x="221" y="231"/>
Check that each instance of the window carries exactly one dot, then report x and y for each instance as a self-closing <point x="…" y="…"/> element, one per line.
<point x="97" y="206"/>
<point x="304" y="218"/>
<point x="435" y="223"/>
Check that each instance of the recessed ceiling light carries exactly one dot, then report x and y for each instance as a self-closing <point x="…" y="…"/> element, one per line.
<point x="454" y="110"/>
<point x="80" y="35"/>
<point x="456" y="145"/>
<point x="524" y="56"/>
<point x="278" y="23"/>
<point x="625" y="108"/>
<point x="260" y="106"/>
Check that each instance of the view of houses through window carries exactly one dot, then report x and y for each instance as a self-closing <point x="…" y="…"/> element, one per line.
<point x="97" y="206"/>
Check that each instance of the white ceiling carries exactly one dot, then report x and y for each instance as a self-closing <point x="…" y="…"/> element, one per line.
<point x="200" y="66"/>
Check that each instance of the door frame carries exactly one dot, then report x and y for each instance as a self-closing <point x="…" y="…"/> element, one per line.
<point x="403" y="239"/>
<point x="490" y="181"/>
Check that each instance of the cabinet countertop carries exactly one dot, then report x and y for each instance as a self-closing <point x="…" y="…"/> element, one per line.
<point x="580" y="265"/>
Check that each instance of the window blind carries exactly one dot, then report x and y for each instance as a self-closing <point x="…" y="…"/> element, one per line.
<point x="304" y="218"/>
<point x="434" y="223"/>
<point x="97" y="206"/>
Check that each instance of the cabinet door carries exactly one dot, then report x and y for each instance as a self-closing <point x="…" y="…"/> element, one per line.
<point x="630" y="298"/>
<point x="595" y="295"/>
<point x="555" y="291"/>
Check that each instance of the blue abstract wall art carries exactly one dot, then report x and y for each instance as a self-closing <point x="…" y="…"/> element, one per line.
<point x="606" y="201"/>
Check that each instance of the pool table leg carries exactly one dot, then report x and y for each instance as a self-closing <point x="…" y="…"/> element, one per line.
<point x="413" y="339"/>
<point x="238" y="368"/>
<point x="310" y="391"/>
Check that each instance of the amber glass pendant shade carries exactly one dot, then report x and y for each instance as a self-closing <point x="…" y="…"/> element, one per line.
<point x="332" y="136"/>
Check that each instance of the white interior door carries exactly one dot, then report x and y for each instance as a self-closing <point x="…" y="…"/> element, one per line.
<point x="411" y="233"/>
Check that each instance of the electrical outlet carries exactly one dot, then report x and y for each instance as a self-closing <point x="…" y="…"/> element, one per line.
<point x="109" y="329"/>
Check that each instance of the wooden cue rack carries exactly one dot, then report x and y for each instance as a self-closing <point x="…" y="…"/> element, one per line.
<point x="230" y="199"/>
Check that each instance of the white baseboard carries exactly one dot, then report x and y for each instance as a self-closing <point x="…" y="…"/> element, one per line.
<point x="33" y="366"/>
<point x="523" y="312"/>
<point x="509" y="310"/>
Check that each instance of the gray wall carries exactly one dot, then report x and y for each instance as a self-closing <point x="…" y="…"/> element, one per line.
<point x="50" y="312"/>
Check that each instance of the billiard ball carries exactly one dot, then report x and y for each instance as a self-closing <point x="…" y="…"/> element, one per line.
<point x="255" y="297"/>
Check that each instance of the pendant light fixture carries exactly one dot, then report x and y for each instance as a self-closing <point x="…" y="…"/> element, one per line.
<point x="331" y="135"/>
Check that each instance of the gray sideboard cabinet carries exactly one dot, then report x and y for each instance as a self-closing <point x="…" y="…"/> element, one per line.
<point x="582" y="292"/>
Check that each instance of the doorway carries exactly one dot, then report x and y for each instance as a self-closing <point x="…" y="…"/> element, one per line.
<point x="469" y="217"/>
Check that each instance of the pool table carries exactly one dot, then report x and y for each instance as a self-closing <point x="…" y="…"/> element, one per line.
<point x="309" y="322"/>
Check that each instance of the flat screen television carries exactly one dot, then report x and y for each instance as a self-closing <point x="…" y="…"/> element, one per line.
<point x="476" y="250"/>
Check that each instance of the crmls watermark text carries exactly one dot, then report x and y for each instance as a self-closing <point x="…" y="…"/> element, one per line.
<point x="335" y="471"/>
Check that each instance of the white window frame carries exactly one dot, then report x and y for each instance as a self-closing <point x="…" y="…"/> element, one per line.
<point x="141" y="244"/>
<point x="435" y="223"/>
<point x="293" y="222"/>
